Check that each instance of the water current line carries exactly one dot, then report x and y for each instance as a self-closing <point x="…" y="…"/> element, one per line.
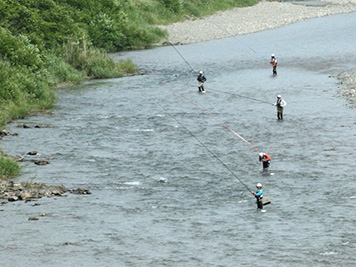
<point x="211" y="152"/>
<point x="210" y="115"/>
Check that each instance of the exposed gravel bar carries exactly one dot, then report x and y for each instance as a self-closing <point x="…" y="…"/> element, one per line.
<point x="265" y="15"/>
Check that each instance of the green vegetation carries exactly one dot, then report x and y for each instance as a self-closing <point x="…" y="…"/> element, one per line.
<point x="45" y="43"/>
<point x="8" y="168"/>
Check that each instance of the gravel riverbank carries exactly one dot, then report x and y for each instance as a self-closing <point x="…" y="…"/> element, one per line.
<point x="265" y="15"/>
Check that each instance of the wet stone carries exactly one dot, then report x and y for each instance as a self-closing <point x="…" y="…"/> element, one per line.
<point x="81" y="191"/>
<point x="12" y="198"/>
<point x="10" y="191"/>
<point x="41" y="162"/>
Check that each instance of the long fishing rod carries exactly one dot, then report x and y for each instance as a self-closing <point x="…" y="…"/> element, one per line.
<point x="210" y="115"/>
<point x="182" y="57"/>
<point x="211" y="152"/>
<point x="238" y="40"/>
<point x="247" y="97"/>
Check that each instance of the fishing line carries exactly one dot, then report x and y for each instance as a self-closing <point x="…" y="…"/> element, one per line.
<point x="182" y="57"/>
<point x="247" y="97"/>
<point x="211" y="152"/>
<point x="238" y="40"/>
<point x="210" y="115"/>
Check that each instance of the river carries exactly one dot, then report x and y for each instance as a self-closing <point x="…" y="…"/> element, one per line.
<point x="144" y="146"/>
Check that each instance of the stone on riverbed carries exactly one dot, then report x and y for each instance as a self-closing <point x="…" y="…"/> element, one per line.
<point x="11" y="191"/>
<point x="81" y="191"/>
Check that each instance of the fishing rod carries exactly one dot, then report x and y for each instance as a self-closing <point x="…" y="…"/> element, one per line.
<point x="211" y="116"/>
<point x="182" y="57"/>
<point x="247" y="97"/>
<point x="238" y="40"/>
<point x="211" y="152"/>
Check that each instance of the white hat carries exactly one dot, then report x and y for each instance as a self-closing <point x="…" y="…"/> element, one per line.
<point x="259" y="185"/>
<point x="272" y="55"/>
<point x="279" y="96"/>
<point x="261" y="154"/>
<point x="200" y="72"/>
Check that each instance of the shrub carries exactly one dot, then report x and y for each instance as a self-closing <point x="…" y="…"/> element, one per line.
<point x="60" y="71"/>
<point x="109" y="33"/>
<point x="19" y="50"/>
<point x="8" y="168"/>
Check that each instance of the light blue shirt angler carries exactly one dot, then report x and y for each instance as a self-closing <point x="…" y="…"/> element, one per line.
<point x="259" y="193"/>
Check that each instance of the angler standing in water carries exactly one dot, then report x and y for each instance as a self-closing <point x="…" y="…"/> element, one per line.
<point x="266" y="161"/>
<point x="201" y="79"/>
<point x="259" y="196"/>
<point x="280" y="104"/>
<point x="273" y="63"/>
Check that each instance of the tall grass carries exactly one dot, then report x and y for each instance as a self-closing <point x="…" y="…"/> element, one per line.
<point x="8" y="168"/>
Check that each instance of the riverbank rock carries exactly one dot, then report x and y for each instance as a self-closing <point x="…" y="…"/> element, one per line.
<point x="28" y="191"/>
<point x="11" y="191"/>
<point x="26" y="126"/>
<point x="41" y="162"/>
<point x="6" y="133"/>
<point x="80" y="191"/>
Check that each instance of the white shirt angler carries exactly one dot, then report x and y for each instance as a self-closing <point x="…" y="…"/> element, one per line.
<point x="281" y="102"/>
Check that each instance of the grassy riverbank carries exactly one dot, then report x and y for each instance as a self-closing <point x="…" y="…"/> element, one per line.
<point x="45" y="43"/>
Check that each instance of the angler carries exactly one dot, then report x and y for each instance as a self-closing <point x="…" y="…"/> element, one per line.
<point x="273" y="63"/>
<point x="201" y="80"/>
<point x="266" y="161"/>
<point x="280" y="104"/>
<point x="259" y="196"/>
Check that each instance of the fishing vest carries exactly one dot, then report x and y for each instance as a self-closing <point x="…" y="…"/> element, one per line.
<point x="279" y="101"/>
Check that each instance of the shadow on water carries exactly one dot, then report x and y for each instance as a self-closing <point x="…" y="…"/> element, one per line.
<point x="160" y="198"/>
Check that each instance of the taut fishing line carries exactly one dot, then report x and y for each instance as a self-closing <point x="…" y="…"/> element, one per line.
<point x="242" y="96"/>
<point x="182" y="57"/>
<point x="211" y="152"/>
<point x="238" y="40"/>
<point x="210" y="115"/>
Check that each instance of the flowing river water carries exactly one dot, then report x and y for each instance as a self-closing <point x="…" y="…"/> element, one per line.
<point x="159" y="197"/>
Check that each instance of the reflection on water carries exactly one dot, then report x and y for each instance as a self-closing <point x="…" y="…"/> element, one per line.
<point x="160" y="198"/>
